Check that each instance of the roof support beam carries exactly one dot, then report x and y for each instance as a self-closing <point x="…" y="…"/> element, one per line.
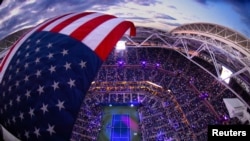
<point x="184" y="44"/>
<point x="202" y="46"/>
<point x="217" y="79"/>
<point x="146" y="40"/>
<point x="157" y="35"/>
<point x="126" y="36"/>
<point x="211" y="53"/>
<point x="236" y="73"/>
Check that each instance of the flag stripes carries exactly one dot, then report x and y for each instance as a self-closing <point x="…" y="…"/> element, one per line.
<point x="60" y="24"/>
<point x="96" y="28"/>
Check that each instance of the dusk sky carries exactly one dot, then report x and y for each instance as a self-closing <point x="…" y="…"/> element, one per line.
<point x="160" y="14"/>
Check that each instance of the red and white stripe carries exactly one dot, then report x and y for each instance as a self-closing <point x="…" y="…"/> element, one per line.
<point x="100" y="32"/>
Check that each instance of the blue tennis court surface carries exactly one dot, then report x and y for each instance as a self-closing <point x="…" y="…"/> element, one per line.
<point x="120" y="128"/>
<point x="120" y="123"/>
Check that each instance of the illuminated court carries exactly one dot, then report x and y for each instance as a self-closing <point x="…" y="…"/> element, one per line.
<point x="119" y="123"/>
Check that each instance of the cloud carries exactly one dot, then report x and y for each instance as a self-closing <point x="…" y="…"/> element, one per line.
<point x="202" y="2"/>
<point x="15" y="14"/>
<point x="100" y="8"/>
<point x="144" y="2"/>
<point x="170" y="23"/>
<point x="138" y="18"/>
<point x="164" y="16"/>
<point x="174" y="24"/>
<point x="172" y="7"/>
<point x="242" y="8"/>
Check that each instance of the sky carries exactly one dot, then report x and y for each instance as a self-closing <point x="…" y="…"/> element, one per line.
<point x="160" y="14"/>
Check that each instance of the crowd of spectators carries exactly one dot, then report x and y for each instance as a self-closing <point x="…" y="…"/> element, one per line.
<point x="88" y="123"/>
<point x="176" y="107"/>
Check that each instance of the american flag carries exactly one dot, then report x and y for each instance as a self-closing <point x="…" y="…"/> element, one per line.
<point x="47" y="72"/>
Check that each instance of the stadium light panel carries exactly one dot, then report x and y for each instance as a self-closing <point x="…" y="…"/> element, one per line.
<point x="225" y="74"/>
<point x="120" y="45"/>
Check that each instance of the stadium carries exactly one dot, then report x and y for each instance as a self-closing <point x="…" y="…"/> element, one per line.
<point x="165" y="86"/>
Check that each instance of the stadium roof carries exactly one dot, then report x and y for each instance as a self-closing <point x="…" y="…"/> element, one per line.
<point x="216" y="44"/>
<point x="219" y="45"/>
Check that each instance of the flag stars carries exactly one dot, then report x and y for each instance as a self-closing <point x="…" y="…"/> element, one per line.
<point x="18" y="99"/>
<point x="9" y="77"/>
<point x="37" y="60"/>
<point x="3" y="83"/>
<point x="27" y="94"/>
<point x="50" y="55"/>
<point x="40" y="89"/>
<point x="26" y="78"/>
<point x="26" y="65"/>
<point x="5" y="107"/>
<point x="17" y="83"/>
<point x="44" y="108"/>
<point x="31" y="112"/>
<point x="55" y="85"/>
<point x="60" y="105"/>
<point x="17" y="61"/>
<point x="38" y="73"/>
<point x="21" y="116"/>
<point x="9" y="89"/>
<point x="37" y="49"/>
<point x="14" y="119"/>
<point x="52" y="69"/>
<point x="27" y="55"/>
<point x="17" y="70"/>
<point x="10" y="103"/>
<point x="64" y="52"/>
<point x="50" y="129"/>
<point x="28" y="46"/>
<point x="38" y="41"/>
<point x="82" y="64"/>
<point x="49" y="45"/>
<point x="67" y="66"/>
<point x="37" y="132"/>
<point x="19" y="52"/>
<point x="27" y="134"/>
<point x="71" y="83"/>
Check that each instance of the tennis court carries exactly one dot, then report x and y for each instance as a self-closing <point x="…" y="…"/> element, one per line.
<point x="120" y="123"/>
<point x="120" y="128"/>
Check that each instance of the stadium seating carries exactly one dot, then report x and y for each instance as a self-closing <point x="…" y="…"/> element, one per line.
<point x="179" y="104"/>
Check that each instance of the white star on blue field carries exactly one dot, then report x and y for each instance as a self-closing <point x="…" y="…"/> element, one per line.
<point x="160" y="14"/>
